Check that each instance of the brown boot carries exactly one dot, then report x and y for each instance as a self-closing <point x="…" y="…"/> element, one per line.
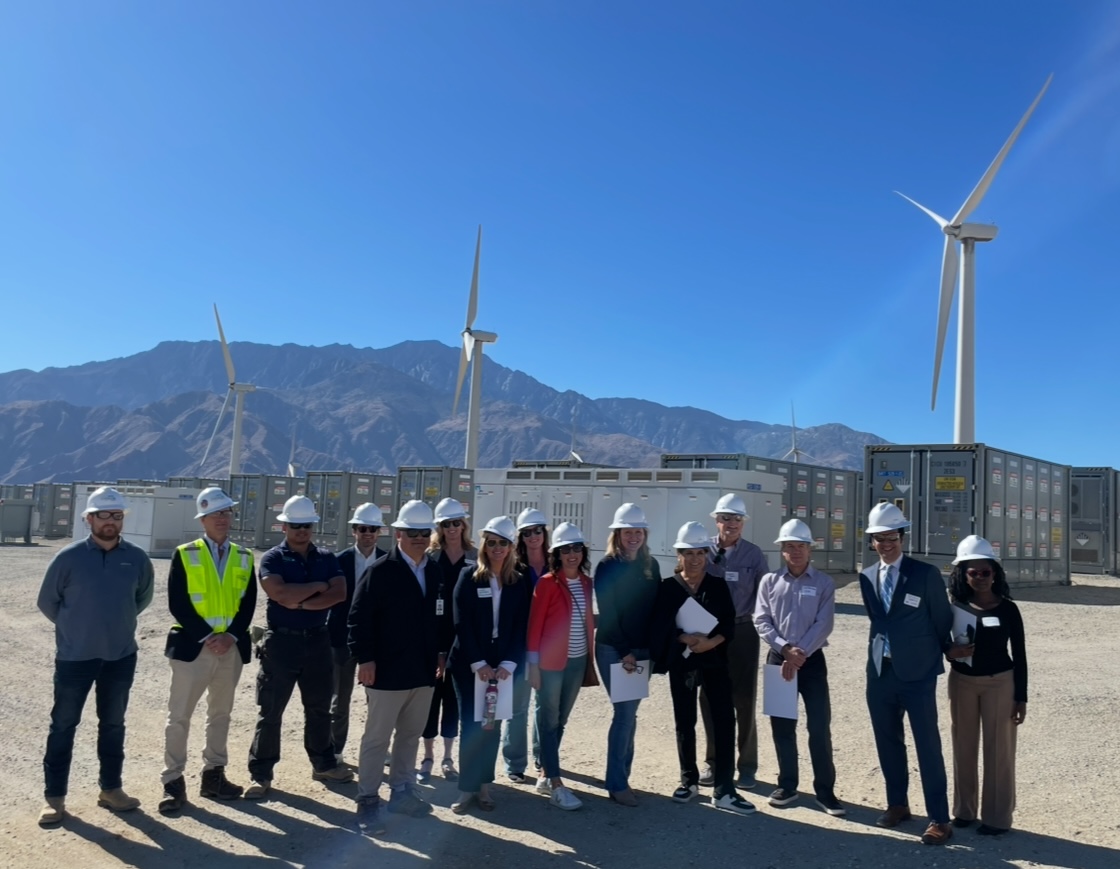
<point x="174" y="796"/>
<point x="54" y="810"/>
<point x="216" y="786"/>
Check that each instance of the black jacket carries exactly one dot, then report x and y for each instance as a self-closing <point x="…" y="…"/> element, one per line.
<point x="668" y="651"/>
<point x="474" y="624"/>
<point x="395" y="626"/>
<point x="184" y="643"/>
<point x="449" y="575"/>
<point x="340" y="612"/>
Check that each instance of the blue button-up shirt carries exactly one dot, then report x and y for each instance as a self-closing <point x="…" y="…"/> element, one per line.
<point x="320" y="565"/>
<point x="798" y="611"/>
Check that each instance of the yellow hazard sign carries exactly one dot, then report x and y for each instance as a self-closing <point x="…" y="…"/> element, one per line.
<point x="887" y="487"/>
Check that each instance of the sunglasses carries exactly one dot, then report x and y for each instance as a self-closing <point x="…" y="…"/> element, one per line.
<point x="729" y="517"/>
<point x="413" y="533"/>
<point x="570" y="549"/>
<point x="497" y="543"/>
<point x="367" y="529"/>
<point x="115" y="515"/>
<point x="886" y="538"/>
<point x="451" y="523"/>
<point x="984" y="573"/>
<point x="299" y="526"/>
<point x="225" y="512"/>
<point x="719" y="556"/>
<point x="532" y="532"/>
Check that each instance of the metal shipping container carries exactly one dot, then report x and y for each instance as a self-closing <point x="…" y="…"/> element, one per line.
<point x="199" y="483"/>
<point x="158" y="519"/>
<point x="948" y="491"/>
<point x="337" y="493"/>
<point x="54" y="508"/>
<point x="1094" y="539"/>
<point x="15" y="519"/>
<point x="827" y="499"/>
<point x="432" y="484"/>
<point x="261" y="499"/>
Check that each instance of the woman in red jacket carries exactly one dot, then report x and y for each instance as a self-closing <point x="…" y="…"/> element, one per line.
<point x="561" y="631"/>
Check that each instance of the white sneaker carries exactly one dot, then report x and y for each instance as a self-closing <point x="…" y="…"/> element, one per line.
<point x="732" y="802"/>
<point x="544" y="787"/>
<point x="564" y="799"/>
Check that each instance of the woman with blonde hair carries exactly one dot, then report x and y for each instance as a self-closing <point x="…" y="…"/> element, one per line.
<point x="491" y="611"/>
<point x="626" y="582"/>
<point x="452" y="551"/>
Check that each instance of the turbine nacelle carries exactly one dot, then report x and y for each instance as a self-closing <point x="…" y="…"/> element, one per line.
<point x="973" y="231"/>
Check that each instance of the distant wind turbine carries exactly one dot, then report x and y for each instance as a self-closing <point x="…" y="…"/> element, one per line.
<point x="797" y="454"/>
<point x="572" y="454"/>
<point x="240" y="389"/>
<point x="472" y="338"/>
<point x="956" y="230"/>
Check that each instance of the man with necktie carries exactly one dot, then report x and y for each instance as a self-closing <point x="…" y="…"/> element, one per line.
<point x="911" y="621"/>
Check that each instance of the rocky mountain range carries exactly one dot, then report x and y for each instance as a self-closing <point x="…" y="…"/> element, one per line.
<point x="150" y="416"/>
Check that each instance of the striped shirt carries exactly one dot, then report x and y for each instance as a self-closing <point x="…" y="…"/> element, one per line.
<point x="577" y="638"/>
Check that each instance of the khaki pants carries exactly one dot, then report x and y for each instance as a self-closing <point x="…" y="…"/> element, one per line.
<point x="216" y="676"/>
<point x="406" y="713"/>
<point x="975" y="703"/>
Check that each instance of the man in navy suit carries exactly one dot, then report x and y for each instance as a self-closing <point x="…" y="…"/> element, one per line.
<point x="911" y="621"/>
<point x="366" y="524"/>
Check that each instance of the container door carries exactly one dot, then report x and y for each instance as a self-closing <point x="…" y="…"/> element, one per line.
<point x="951" y="507"/>
<point x="1000" y="530"/>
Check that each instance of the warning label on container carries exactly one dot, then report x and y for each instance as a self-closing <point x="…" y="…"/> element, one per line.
<point x="822" y="488"/>
<point x="995" y="547"/>
<point x="838" y="490"/>
<point x="1028" y="483"/>
<point x="837" y="531"/>
<point x="1056" y="538"/>
<point x="997" y="510"/>
<point x="1082" y="539"/>
<point x="818" y="512"/>
<point x="1028" y="513"/>
<point x="1013" y="550"/>
<point x="1056" y="516"/>
<point x="802" y="511"/>
<point x="1028" y="550"/>
<point x="802" y="485"/>
<point x="1012" y="511"/>
<point x="1043" y="551"/>
<point x="949" y="484"/>
<point x="1013" y="481"/>
<point x="838" y="514"/>
<point x="1043" y="514"/>
<point x="887" y="487"/>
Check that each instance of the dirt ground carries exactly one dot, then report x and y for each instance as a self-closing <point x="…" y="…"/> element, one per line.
<point x="1068" y="770"/>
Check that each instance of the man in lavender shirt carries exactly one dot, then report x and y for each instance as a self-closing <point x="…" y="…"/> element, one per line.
<point x="794" y="615"/>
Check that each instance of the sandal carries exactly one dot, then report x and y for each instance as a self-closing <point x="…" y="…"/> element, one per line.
<point x="485" y="801"/>
<point x="460" y="806"/>
<point x="425" y="774"/>
<point x="448" y="768"/>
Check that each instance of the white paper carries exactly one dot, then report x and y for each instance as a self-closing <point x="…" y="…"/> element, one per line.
<point x="779" y="697"/>
<point x="692" y="618"/>
<point x="629" y="686"/>
<point x="964" y="629"/>
<point x="504" y="712"/>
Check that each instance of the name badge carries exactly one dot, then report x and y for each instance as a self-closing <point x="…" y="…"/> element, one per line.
<point x="809" y="591"/>
<point x="912" y="600"/>
<point x="439" y="606"/>
<point x="731" y="576"/>
<point x="486" y="592"/>
<point x="990" y="621"/>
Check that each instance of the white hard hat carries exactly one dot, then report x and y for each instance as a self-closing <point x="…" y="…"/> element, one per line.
<point x="730" y="503"/>
<point x="503" y="527"/>
<point x="693" y="535"/>
<point x="449" y="508"/>
<point x="565" y="534"/>
<point x="530" y="517"/>
<point x="885" y="517"/>
<point x="104" y="498"/>
<point x="794" y="531"/>
<point x="298" y="509"/>
<point x="367" y="514"/>
<point x="415" y="515"/>
<point x="212" y="500"/>
<point x="629" y="516"/>
<point x="974" y="548"/>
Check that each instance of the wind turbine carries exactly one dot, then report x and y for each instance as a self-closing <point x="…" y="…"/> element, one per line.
<point x="240" y="389"/>
<point x="472" y="338"/>
<point x="795" y="452"/>
<point x="956" y="230"/>
<point x="572" y="454"/>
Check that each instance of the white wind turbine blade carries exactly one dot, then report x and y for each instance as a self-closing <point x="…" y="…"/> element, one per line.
<point x="944" y="308"/>
<point x="472" y="303"/>
<point x="985" y="182"/>
<point x="225" y="349"/>
<point x="464" y="361"/>
<point x="937" y="218"/>
<point x="217" y="425"/>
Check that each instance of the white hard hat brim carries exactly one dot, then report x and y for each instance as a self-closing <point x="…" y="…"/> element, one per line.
<point x="297" y="520"/>
<point x="410" y="526"/>
<point x="793" y="540"/>
<point x="615" y="526"/>
<point x="977" y="556"/>
<point x="715" y="513"/>
<point x="217" y="508"/>
<point x="883" y="529"/>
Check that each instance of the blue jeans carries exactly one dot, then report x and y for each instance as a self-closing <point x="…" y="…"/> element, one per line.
<point x="515" y="747"/>
<point x="624" y="724"/>
<point x="554" y="704"/>
<point x="112" y="680"/>
<point x="478" y="748"/>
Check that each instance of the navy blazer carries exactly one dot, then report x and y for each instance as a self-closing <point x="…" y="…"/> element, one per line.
<point x="340" y="612"/>
<point x="918" y="631"/>
<point x="474" y="624"/>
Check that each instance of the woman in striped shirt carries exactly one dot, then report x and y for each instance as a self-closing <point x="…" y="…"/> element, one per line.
<point x="561" y="632"/>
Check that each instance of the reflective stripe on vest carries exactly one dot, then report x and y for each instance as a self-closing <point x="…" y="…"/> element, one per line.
<point x="216" y="600"/>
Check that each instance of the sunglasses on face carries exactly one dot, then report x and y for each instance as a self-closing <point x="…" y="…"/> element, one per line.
<point x="570" y="549"/>
<point x="497" y="543"/>
<point x="115" y="515"/>
<point x="980" y="573"/>
<point x="225" y="512"/>
<point x="451" y="523"/>
<point x="413" y="533"/>
<point x="887" y="538"/>
<point x="532" y="532"/>
<point x="367" y="529"/>
<point x="729" y="517"/>
<point x="299" y="526"/>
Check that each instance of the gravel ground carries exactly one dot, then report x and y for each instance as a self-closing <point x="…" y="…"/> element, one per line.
<point x="1068" y="815"/>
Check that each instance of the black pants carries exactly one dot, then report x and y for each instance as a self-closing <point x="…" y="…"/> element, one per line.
<point x="478" y="748"/>
<point x="443" y="698"/>
<point x="345" y="667"/>
<point x="812" y="685"/>
<point x="683" y="686"/>
<point x="288" y="660"/>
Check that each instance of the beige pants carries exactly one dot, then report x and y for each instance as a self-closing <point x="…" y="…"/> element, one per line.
<point x="975" y="703"/>
<point x="406" y="713"/>
<point x="216" y="676"/>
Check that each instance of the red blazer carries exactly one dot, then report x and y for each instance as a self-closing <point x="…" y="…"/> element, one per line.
<point x="550" y="621"/>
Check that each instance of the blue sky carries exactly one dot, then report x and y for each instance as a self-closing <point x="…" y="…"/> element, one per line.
<point x="690" y="203"/>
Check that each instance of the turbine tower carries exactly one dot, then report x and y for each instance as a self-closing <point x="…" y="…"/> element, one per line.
<point x="797" y="454"/>
<point x="473" y="339"/>
<point x="968" y="234"/>
<point x="240" y="389"/>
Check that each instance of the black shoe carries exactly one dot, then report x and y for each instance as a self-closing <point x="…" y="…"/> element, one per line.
<point x="960" y="823"/>
<point x="407" y="803"/>
<point x="216" y="786"/>
<point x="370" y="821"/>
<point x="781" y="798"/>
<point x="174" y="796"/>
<point x="986" y="830"/>
<point x="746" y="781"/>
<point x="832" y="805"/>
<point x="707" y="777"/>
<point x="685" y="793"/>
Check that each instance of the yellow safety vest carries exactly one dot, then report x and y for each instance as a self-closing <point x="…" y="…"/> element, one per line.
<point x="217" y="601"/>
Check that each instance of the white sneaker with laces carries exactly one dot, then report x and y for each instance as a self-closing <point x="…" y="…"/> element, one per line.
<point x="544" y="787"/>
<point x="564" y="799"/>
<point x="732" y="802"/>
